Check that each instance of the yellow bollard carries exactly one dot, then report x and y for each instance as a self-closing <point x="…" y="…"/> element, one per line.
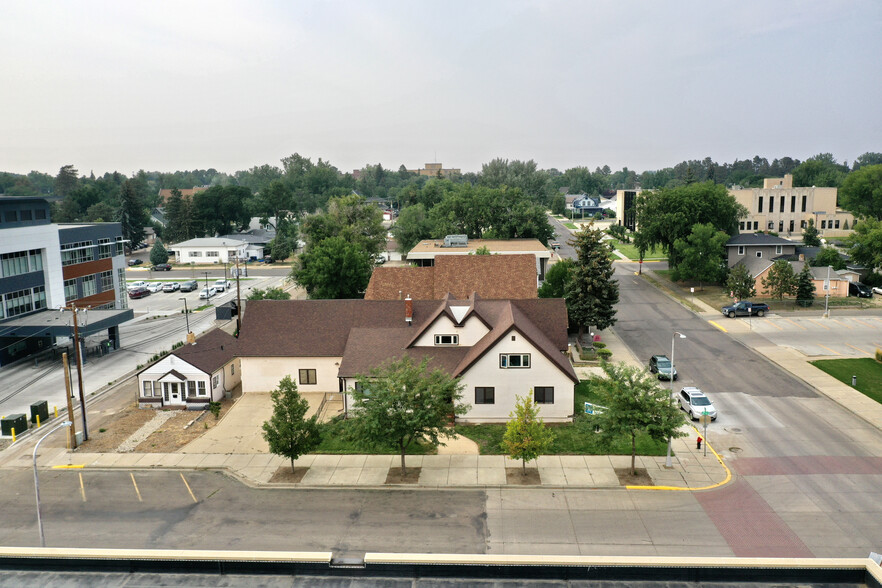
<point x="13" y="434"/>
<point x="56" y="412"/>
<point x="38" y="421"/>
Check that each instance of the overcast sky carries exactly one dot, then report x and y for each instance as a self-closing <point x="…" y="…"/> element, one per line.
<point x="182" y="85"/>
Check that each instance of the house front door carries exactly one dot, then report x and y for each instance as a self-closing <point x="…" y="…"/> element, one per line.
<point x="172" y="392"/>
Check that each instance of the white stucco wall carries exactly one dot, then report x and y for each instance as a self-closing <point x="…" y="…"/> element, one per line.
<point x="228" y="378"/>
<point x="263" y="374"/>
<point x="469" y="333"/>
<point x="512" y="382"/>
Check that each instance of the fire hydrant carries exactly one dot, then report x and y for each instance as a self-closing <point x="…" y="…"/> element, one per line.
<point x="698" y="442"/>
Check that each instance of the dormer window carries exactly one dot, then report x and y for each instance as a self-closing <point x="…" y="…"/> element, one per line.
<point x="446" y="339"/>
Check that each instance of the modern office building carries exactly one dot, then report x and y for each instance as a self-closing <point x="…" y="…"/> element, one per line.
<point x="45" y="267"/>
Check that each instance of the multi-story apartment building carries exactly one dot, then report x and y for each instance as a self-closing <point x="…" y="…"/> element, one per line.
<point x="786" y="210"/>
<point x="45" y="267"/>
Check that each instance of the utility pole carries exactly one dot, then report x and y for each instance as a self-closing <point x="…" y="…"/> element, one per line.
<point x="79" y="360"/>
<point x="70" y="412"/>
<point x="238" y="300"/>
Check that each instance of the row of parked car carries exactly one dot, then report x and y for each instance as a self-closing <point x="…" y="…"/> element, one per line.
<point x="691" y="399"/>
<point x="141" y="289"/>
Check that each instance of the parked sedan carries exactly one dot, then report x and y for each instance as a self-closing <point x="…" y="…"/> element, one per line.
<point x="139" y="292"/>
<point x="136" y="261"/>
<point x="154" y="287"/>
<point x="207" y="293"/>
<point x="162" y="267"/>
<point x="171" y="287"/>
<point x="138" y="284"/>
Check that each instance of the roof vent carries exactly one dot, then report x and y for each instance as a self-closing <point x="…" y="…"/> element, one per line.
<point x="456" y="241"/>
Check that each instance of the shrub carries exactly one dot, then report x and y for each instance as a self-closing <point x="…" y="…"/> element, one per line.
<point x="215" y="408"/>
<point x="599" y="345"/>
<point x="604" y="353"/>
<point x="879" y="355"/>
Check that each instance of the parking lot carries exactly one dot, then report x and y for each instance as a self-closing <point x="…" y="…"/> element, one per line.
<point x="171" y="301"/>
<point x="836" y="336"/>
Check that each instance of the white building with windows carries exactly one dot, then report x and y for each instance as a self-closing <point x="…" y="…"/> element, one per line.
<point x="193" y="375"/>
<point x="210" y="250"/>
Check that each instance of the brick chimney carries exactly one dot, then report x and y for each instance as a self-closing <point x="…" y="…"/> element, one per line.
<point x="408" y="310"/>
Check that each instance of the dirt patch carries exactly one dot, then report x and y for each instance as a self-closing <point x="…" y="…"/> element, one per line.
<point x="517" y="477"/>
<point x="397" y="476"/>
<point x="627" y="478"/>
<point x="287" y="475"/>
<point x="172" y="436"/>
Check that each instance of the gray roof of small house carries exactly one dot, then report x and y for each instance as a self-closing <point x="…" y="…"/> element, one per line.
<point x="758" y="240"/>
<point x="210" y="242"/>
<point x="755" y="265"/>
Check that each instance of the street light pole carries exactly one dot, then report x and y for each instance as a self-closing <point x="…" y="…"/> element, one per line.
<point x="37" y="480"/>
<point x="668" y="463"/>
<point x="206" y="281"/>
<point x="79" y="359"/>
<point x="186" y="315"/>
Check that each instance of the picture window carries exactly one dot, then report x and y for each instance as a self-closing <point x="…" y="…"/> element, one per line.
<point x="307" y="377"/>
<point x="543" y="394"/>
<point x="485" y="395"/>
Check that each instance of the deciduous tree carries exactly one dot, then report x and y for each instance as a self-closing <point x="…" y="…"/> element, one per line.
<point x="701" y="255"/>
<point x="526" y="436"/>
<point x="829" y="256"/>
<point x="634" y="404"/>
<point x="592" y="293"/>
<point x="556" y="279"/>
<point x="288" y="432"/>
<point x="411" y="227"/>
<point x="403" y="402"/>
<point x="865" y="243"/>
<point x="269" y="294"/>
<point x="861" y="192"/>
<point x="740" y="284"/>
<point x="334" y="268"/>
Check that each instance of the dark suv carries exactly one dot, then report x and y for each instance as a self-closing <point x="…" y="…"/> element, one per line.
<point x="189" y="286"/>
<point x="661" y="365"/>
<point x="859" y="290"/>
<point x="162" y="267"/>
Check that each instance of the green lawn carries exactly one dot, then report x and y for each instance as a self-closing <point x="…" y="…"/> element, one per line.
<point x="570" y="226"/>
<point x="867" y="370"/>
<point x="569" y="438"/>
<point x="629" y="251"/>
<point x="338" y="438"/>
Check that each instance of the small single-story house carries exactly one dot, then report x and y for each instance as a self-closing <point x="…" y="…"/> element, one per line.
<point x="757" y="246"/>
<point x="256" y="242"/>
<point x="759" y="269"/>
<point x="500" y="349"/>
<point x="491" y="276"/>
<point x="210" y="250"/>
<point x="193" y="375"/>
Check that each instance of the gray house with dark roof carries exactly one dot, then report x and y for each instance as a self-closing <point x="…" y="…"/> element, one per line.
<point x="757" y="246"/>
<point x="500" y="349"/>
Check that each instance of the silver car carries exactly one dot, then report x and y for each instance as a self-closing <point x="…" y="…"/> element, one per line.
<point x="694" y="402"/>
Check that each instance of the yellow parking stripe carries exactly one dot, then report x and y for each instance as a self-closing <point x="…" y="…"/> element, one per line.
<point x="859" y="349"/>
<point x="138" y="492"/>
<point x="188" y="488"/>
<point x="720" y="327"/>
<point x="862" y="322"/>
<point x="819" y="324"/>
<point x="795" y="325"/>
<point x="82" y="487"/>
<point x="69" y="467"/>
<point x="828" y="349"/>
<point x="769" y="322"/>
<point x="843" y="324"/>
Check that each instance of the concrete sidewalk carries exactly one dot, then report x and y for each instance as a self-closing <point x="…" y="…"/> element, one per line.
<point x="691" y="469"/>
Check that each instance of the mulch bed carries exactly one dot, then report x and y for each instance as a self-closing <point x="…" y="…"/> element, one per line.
<point x="517" y="477"/>
<point x="627" y="479"/>
<point x="285" y="475"/>
<point x="397" y="476"/>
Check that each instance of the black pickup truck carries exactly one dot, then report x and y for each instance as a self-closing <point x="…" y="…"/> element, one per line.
<point x="745" y="308"/>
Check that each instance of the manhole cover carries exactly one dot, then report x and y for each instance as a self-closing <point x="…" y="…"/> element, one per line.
<point x="732" y="430"/>
<point x="734" y="450"/>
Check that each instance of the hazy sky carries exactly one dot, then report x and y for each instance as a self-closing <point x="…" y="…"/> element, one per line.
<point x="181" y="85"/>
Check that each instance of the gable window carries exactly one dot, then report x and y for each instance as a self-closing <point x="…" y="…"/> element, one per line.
<point x="741" y="250"/>
<point x="446" y="339"/>
<point x="543" y="394"/>
<point x="307" y="376"/>
<point x="779" y="249"/>
<point x="514" y="360"/>
<point x="759" y="207"/>
<point x="485" y="395"/>
<point x="759" y="253"/>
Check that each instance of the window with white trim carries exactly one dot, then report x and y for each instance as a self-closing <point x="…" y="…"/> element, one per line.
<point x="106" y="279"/>
<point x="759" y="253"/>
<point x="105" y="248"/>
<point x="90" y="285"/>
<point x="212" y="254"/>
<point x="148" y="389"/>
<point x="514" y="360"/>
<point x="194" y="254"/>
<point x="446" y="339"/>
<point x="741" y="250"/>
<point x="70" y="290"/>
<point x="201" y="387"/>
<point x="779" y="249"/>
<point x="191" y="389"/>
<point x="214" y="381"/>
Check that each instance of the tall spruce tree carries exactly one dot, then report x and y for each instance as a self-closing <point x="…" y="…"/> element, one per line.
<point x="805" y="287"/>
<point x="780" y="281"/>
<point x="740" y="283"/>
<point x="132" y="213"/>
<point x="810" y="235"/>
<point x="592" y="293"/>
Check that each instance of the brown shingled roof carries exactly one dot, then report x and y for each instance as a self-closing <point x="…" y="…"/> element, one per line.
<point x="491" y="276"/>
<point x="212" y="351"/>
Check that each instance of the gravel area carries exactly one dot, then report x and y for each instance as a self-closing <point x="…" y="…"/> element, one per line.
<point x="145" y="431"/>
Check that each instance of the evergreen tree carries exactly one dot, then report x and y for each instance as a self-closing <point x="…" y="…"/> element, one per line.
<point x="526" y="436"/>
<point x="592" y="293"/>
<point x="158" y="254"/>
<point x="740" y="283"/>
<point x="805" y="287"/>
<point x="132" y="213"/>
<point x="66" y="180"/>
<point x="780" y="281"/>
<point x="810" y="235"/>
<point x="288" y="433"/>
